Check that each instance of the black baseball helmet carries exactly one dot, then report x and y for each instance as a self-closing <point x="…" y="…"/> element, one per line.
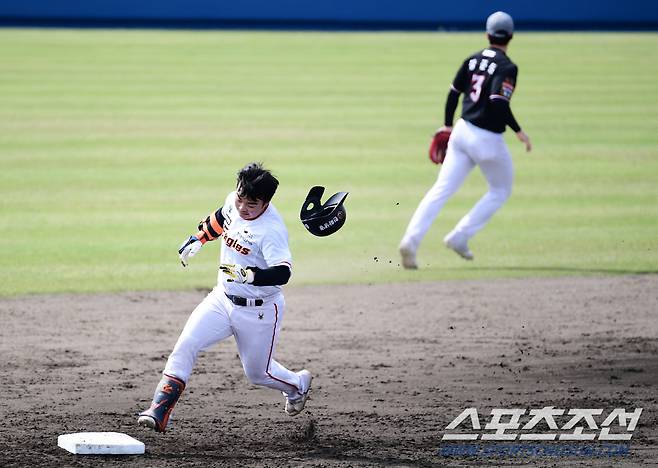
<point x="322" y="220"/>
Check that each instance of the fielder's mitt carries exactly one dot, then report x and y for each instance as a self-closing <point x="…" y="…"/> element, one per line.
<point x="439" y="146"/>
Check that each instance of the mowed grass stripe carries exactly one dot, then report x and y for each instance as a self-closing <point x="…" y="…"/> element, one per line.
<point x="113" y="144"/>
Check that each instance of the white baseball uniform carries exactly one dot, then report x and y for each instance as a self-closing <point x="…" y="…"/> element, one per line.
<point x="261" y="242"/>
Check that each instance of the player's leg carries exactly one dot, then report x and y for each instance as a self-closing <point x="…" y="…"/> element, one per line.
<point x="498" y="170"/>
<point x="166" y="395"/>
<point x="208" y="324"/>
<point x="455" y="169"/>
<point x="256" y="331"/>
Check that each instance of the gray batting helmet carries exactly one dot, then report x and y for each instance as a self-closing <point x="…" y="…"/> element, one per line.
<point x="500" y="25"/>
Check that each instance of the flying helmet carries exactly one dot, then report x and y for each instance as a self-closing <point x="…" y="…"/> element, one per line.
<point x="322" y="220"/>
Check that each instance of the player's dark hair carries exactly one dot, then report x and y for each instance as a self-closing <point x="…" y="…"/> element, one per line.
<point x="256" y="183"/>
<point x="501" y="38"/>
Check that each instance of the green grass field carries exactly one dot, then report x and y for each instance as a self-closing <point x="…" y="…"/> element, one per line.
<point x="113" y="144"/>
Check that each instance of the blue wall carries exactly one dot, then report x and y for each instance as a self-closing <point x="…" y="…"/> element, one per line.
<point x="409" y="13"/>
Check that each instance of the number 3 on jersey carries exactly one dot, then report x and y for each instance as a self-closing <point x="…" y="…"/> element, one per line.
<point x="476" y="86"/>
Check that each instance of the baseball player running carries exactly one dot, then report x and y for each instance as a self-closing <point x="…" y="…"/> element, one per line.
<point x="247" y="302"/>
<point x="487" y="80"/>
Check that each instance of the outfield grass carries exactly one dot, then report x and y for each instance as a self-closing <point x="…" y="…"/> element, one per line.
<point x="113" y="144"/>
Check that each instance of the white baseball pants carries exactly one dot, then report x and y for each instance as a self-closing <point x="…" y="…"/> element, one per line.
<point x="256" y="331"/>
<point x="468" y="146"/>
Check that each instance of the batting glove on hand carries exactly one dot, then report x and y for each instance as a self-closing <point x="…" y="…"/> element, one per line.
<point x="237" y="273"/>
<point x="188" y="249"/>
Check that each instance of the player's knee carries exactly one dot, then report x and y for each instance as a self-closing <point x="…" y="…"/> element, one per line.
<point x="187" y="350"/>
<point x="501" y="193"/>
<point x="256" y="376"/>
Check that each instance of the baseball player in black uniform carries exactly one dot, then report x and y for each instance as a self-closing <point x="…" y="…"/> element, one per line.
<point x="487" y="80"/>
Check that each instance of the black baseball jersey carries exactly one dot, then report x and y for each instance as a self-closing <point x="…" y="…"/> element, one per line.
<point x="484" y="78"/>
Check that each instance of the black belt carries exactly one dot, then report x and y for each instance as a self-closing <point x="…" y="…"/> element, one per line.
<point x="243" y="301"/>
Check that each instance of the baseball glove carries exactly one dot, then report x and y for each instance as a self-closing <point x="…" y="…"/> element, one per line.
<point x="439" y="145"/>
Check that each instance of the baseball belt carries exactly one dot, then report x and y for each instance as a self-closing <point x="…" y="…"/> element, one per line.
<point x="243" y="301"/>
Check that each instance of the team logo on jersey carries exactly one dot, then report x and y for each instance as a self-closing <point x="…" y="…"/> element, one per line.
<point x="507" y="89"/>
<point x="234" y="244"/>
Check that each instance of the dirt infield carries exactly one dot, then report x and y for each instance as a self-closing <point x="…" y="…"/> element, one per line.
<point x="393" y="365"/>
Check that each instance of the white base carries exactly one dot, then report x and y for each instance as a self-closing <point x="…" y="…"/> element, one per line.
<point x="100" y="443"/>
